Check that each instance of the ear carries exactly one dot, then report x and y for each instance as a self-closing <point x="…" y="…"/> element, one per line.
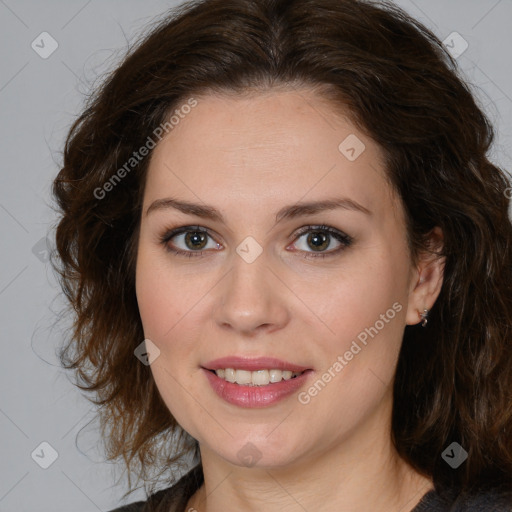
<point x="427" y="279"/>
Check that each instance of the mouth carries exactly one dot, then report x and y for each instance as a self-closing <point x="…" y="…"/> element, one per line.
<point x="262" y="377"/>
<point x="255" y="393"/>
<point x="254" y="371"/>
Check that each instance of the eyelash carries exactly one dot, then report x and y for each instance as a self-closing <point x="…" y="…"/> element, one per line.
<point x="344" y="239"/>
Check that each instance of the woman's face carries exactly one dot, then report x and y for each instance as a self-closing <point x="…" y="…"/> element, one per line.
<point x="261" y="288"/>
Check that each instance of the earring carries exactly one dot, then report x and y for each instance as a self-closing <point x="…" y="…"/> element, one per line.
<point x="424" y="317"/>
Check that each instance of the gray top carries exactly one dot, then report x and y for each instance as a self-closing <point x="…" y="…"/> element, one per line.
<point x="175" y="498"/>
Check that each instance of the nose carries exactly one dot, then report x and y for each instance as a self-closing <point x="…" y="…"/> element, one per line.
<point x="252" y="299"/>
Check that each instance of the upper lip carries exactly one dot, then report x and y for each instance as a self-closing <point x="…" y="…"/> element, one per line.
<point x="253" y="364"/>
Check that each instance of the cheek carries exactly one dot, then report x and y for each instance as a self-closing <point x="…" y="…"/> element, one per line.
<point x="162" y="296"/>
<point x="356" y="298"/>
<point x="171" y="314"/>
<point x="163" y="314"/>
<point x="360" y="354"/>
<point x="152" y="297"/>
<point x="363" y="312"/>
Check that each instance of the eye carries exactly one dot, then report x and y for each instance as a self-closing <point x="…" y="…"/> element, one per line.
<point x="319" y="238"/>
<point x="194" y="241"/>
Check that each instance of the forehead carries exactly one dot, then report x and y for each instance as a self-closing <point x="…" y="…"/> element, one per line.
<point x="266" y="149"/>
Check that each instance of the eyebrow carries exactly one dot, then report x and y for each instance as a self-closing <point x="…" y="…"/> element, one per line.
<point x="288" y="212"/>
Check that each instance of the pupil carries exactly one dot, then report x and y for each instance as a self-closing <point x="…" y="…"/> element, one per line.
<point x="195" y="237"/>
<point x="319" y="240"/>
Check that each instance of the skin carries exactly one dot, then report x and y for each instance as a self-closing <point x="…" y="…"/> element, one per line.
<point x="248" y="157"/>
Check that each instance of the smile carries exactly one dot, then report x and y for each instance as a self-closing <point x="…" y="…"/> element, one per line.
<point x="255" y="378"/>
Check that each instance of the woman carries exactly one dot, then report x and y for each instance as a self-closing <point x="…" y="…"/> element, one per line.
<point x="290" y="259"/>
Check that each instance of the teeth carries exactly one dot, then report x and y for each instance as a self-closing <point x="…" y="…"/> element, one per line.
<point x="257" y="378"/>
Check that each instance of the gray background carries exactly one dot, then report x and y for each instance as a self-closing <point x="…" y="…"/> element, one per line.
<point x="39" y="98"/>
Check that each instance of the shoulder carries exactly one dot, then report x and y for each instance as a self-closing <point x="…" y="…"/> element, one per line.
<point x="173" y="498"/>
<point x="451" y="501"/>
<point x="492" y="501"/>
<point x="169" y="495"/>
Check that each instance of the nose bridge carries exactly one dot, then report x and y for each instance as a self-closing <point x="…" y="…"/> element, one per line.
<point x="250" y="297"/>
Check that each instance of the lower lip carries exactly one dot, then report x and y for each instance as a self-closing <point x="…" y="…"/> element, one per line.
<point x="255" y="396"/>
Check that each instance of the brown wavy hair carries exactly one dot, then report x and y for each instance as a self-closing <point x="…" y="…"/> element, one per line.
<point x="401" y="88"/>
